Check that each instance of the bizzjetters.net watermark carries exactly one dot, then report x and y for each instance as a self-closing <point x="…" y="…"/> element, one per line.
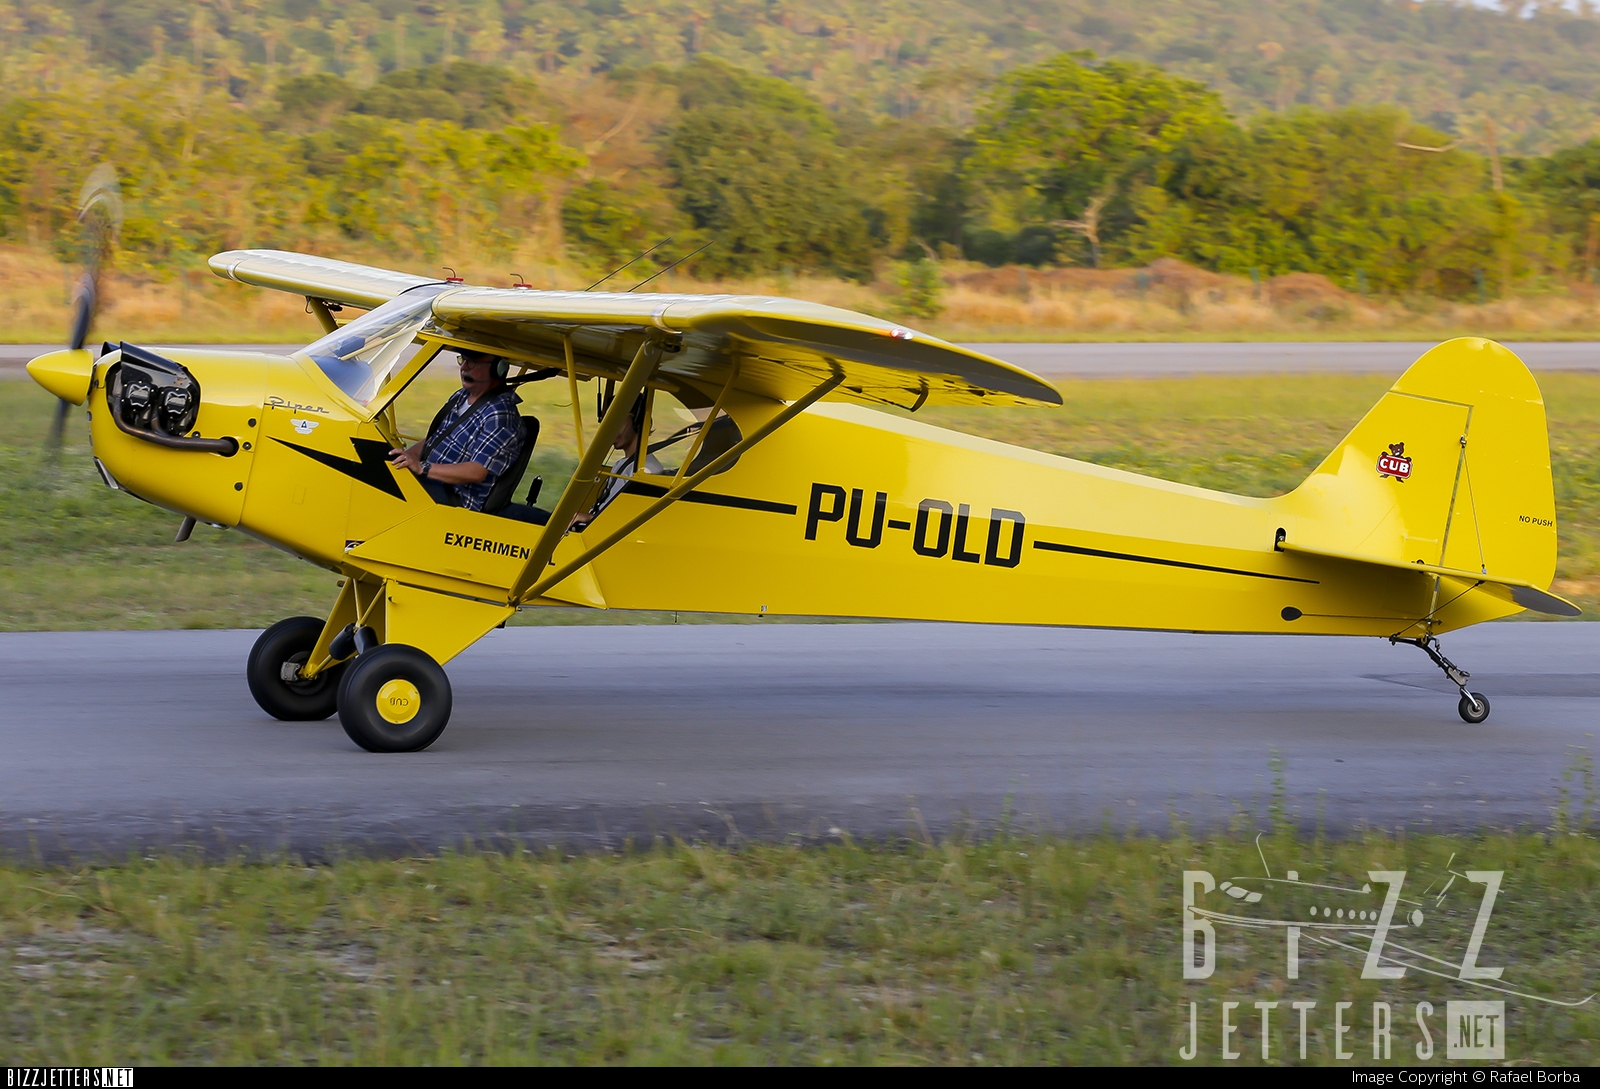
<point x="1390" y="929"/>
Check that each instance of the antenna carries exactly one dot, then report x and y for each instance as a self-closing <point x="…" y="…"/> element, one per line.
<point x="672" y="266"/>
<point x="620" y="267"/>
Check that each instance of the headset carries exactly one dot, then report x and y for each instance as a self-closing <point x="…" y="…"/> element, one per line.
<point x="500" y="366"/>
<point x="635" y="412"/>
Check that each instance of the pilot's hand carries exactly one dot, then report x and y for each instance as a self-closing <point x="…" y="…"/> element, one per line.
<point x="405" y="459"/>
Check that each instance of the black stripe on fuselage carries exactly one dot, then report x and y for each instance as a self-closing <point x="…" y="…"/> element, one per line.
<point x="372" y="469"/>
<point x="715" y="499"/>
<point x="1079" y="550"/>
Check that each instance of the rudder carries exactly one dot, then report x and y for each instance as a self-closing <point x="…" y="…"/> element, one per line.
<point x="1451" y="468"/>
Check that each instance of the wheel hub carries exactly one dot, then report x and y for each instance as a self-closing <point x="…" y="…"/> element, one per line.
<point x="291" y="676"/>
<point x="399" y="701"/>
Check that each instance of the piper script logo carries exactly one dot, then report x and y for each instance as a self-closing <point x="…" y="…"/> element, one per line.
<point x="1395" y="463"/>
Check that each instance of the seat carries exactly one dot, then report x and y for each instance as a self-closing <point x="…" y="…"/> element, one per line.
<point x="723" y="436"/>
<point x="500" y="494"/>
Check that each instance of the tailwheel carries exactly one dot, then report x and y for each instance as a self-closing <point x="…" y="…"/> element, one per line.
<point x="394" y="698"/>
<point x="273" y="671"/>
<point x="1474" y="707"/>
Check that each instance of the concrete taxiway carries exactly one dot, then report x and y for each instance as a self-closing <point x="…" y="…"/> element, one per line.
<point x="584" y="736"/>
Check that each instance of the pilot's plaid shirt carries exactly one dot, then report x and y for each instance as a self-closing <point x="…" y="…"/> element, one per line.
<point x="492" y="437"/>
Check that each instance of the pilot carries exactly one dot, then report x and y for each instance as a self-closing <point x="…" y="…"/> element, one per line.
<point x="473" y="440"/>
<point x="627" y="441"/>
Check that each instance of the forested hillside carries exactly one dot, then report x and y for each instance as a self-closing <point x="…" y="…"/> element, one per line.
<point x="1395" y="147"/>
<point x="1451" y="65"/>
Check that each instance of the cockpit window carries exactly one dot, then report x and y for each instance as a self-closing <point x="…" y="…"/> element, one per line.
<point x="360" y="356"/>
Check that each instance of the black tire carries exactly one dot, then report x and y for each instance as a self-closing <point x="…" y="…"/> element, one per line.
<point x="384" y="686"/>
<point x="1472" y="714"/>
<point x="289" y="643"/>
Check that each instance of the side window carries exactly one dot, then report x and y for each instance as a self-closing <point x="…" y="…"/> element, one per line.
<point x="360" y="356"/>
<point x="675" y="431"/>
<point x="415" y="407"/>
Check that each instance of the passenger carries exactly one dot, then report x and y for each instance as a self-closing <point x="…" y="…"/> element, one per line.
<point x="473" y="440"/>
<point x="627" y="441"/>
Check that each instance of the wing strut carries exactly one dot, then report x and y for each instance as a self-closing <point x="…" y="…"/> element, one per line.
<point x="588" y="470"/>
<point x="572" y="387"/>
<point x="521" y="593"/>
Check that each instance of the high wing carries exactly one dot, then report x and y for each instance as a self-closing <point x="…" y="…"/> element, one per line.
<point x="772" y="347"/>
<point x="316" y="277"/>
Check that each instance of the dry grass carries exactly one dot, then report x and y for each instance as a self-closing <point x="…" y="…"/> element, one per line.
<point x="1173" y="301"/>
<point x="190" y="305"/>
<point x="1167" y="301"/>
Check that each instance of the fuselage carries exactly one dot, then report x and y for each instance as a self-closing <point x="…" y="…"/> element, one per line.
<point x="845" y="511"/>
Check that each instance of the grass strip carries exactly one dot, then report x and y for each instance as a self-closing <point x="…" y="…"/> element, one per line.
<point x="1015" y="950"/>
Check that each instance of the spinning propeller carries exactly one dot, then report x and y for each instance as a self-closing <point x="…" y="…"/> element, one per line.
<point x="99" y="222"/>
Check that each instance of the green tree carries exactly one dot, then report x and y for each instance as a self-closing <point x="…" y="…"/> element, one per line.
<point x="433" y="186"/>
<point x="201" y="175"/>
<point x="1351" y="194"/>
<point x="1064" y="143"/>
<point x="307" y="103"/>
<point x="197" y="174"/>
<point x="475" y="96"/>
<point x="1567" y="184"/>
<point x="919" y="287"/>
<point x="600" y="221"/>
<point x="756" y="168"/>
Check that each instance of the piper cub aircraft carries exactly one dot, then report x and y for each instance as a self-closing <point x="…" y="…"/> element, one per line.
<point x="791" y="493"/>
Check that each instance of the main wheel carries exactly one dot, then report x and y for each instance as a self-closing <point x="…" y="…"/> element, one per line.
<point x="1473" y="714"/>
<point x="275" y="663"/>
<point x="394" y="699"/>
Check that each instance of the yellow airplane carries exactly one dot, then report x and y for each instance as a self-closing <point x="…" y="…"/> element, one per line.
<point x="790" y="494"/>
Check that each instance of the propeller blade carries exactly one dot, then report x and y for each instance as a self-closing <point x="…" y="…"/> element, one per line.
<point x="100" y="221"/>
<point x="84" y="305"/>
<point x="58" y="430"/>
<point x="101" y="191"/>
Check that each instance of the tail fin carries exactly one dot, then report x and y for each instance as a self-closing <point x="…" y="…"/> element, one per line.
<point x="1449" y="472"/>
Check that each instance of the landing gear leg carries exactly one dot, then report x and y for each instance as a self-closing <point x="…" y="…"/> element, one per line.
<point x="1474" y="706"/>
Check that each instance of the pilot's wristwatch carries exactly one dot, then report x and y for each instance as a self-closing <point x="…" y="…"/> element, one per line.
<point x="427" y="467"/>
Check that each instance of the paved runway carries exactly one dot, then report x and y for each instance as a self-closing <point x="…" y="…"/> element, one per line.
<point x="1160" y="360"/>
<point x="118" y="741"/>
<point x="1139" y="360"/>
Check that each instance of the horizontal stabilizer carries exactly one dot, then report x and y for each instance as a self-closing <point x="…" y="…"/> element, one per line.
<point x="1518" y="591"/>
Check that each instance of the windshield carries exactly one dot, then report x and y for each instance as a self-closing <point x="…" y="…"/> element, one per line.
<point x="360" y="356"/>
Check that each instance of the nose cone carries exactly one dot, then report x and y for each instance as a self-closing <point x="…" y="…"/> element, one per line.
<point x="64" y="373"/>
